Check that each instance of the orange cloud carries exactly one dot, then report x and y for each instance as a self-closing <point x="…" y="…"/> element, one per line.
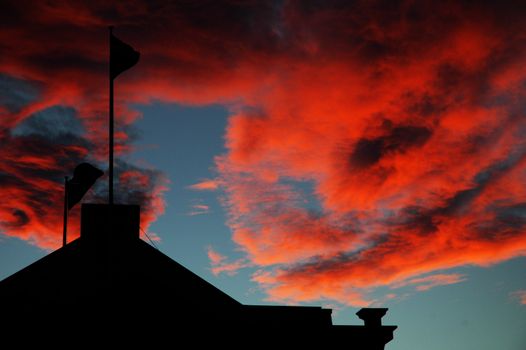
<point x="414" y="157"/>
<point x="199" y="209"/>
<point x="428" y="282"/>
<point x="206" y="185"/>
<point x="367" y="146"/>
<point x="520" y="295"/>
<point x="219" y="263"/>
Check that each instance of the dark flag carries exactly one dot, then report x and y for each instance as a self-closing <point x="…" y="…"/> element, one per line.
<point x="122" y="56"/>
<point x="84" y="177"/>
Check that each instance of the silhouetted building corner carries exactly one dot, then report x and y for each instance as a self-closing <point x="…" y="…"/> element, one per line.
<point x="110" y="284"/>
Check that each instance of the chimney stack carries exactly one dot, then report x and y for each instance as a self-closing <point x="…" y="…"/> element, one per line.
<point x="103" y="222"/>
<point x="372" y="317"/>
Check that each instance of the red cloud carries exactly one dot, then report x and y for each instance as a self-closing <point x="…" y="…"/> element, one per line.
<point x="199" y="209"/>
<point x="205" y="185"/>
<point x="220" y="265"/>
<point x="428" y="282"/>
<point x="414" y="153"/>
<point x="367" y="146"/>
<point x="520" y="295"/>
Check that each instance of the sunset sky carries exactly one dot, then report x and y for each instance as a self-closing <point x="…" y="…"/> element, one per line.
<point x="335" y="153"/>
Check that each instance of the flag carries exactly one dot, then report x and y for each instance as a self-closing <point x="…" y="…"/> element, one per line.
<point x="84" y="177"/>
<point x="122" y="56"/>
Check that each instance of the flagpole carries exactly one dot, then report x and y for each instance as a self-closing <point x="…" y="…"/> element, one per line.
<point x="65" y="228"/>
<point x="110" y="194"/>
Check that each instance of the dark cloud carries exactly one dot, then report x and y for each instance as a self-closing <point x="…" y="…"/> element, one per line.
<point x="7" y="180"/>
<point x="16" y="93"/>
<point x="425" y="220"/>
<point x="58" y="123"/>
<point x="404" y="137"/>
<point x="414" y="217"/>
<point x="20" y="219"/>
<point x="53" y="62"/>
<point x="368" y="152"/>
<point x="513" y="214"/>
<point x="425" y="105"/>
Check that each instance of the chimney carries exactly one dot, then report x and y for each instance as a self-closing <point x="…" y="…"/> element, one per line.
<point x="372" y="317"/>
<point x="98" y="224"/>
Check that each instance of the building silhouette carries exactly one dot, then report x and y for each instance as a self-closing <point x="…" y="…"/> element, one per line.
<point x="111" y="287"/>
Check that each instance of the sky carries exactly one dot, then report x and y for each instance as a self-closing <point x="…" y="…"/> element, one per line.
<point x="335" y="153"/>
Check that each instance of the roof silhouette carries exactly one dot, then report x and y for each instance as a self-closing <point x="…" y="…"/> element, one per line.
<point x="109" y="285"/>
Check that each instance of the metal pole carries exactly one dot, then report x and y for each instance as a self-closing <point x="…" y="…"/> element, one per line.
<point x="65" y="228"/>
<point x="110" y="194"/>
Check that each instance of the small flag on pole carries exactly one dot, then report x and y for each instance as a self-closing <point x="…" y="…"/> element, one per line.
<point x="122" y="56"/>
<point x="84" y="177"/>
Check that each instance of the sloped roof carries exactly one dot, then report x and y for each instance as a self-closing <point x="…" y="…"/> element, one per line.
<point x="132" y="269"/>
